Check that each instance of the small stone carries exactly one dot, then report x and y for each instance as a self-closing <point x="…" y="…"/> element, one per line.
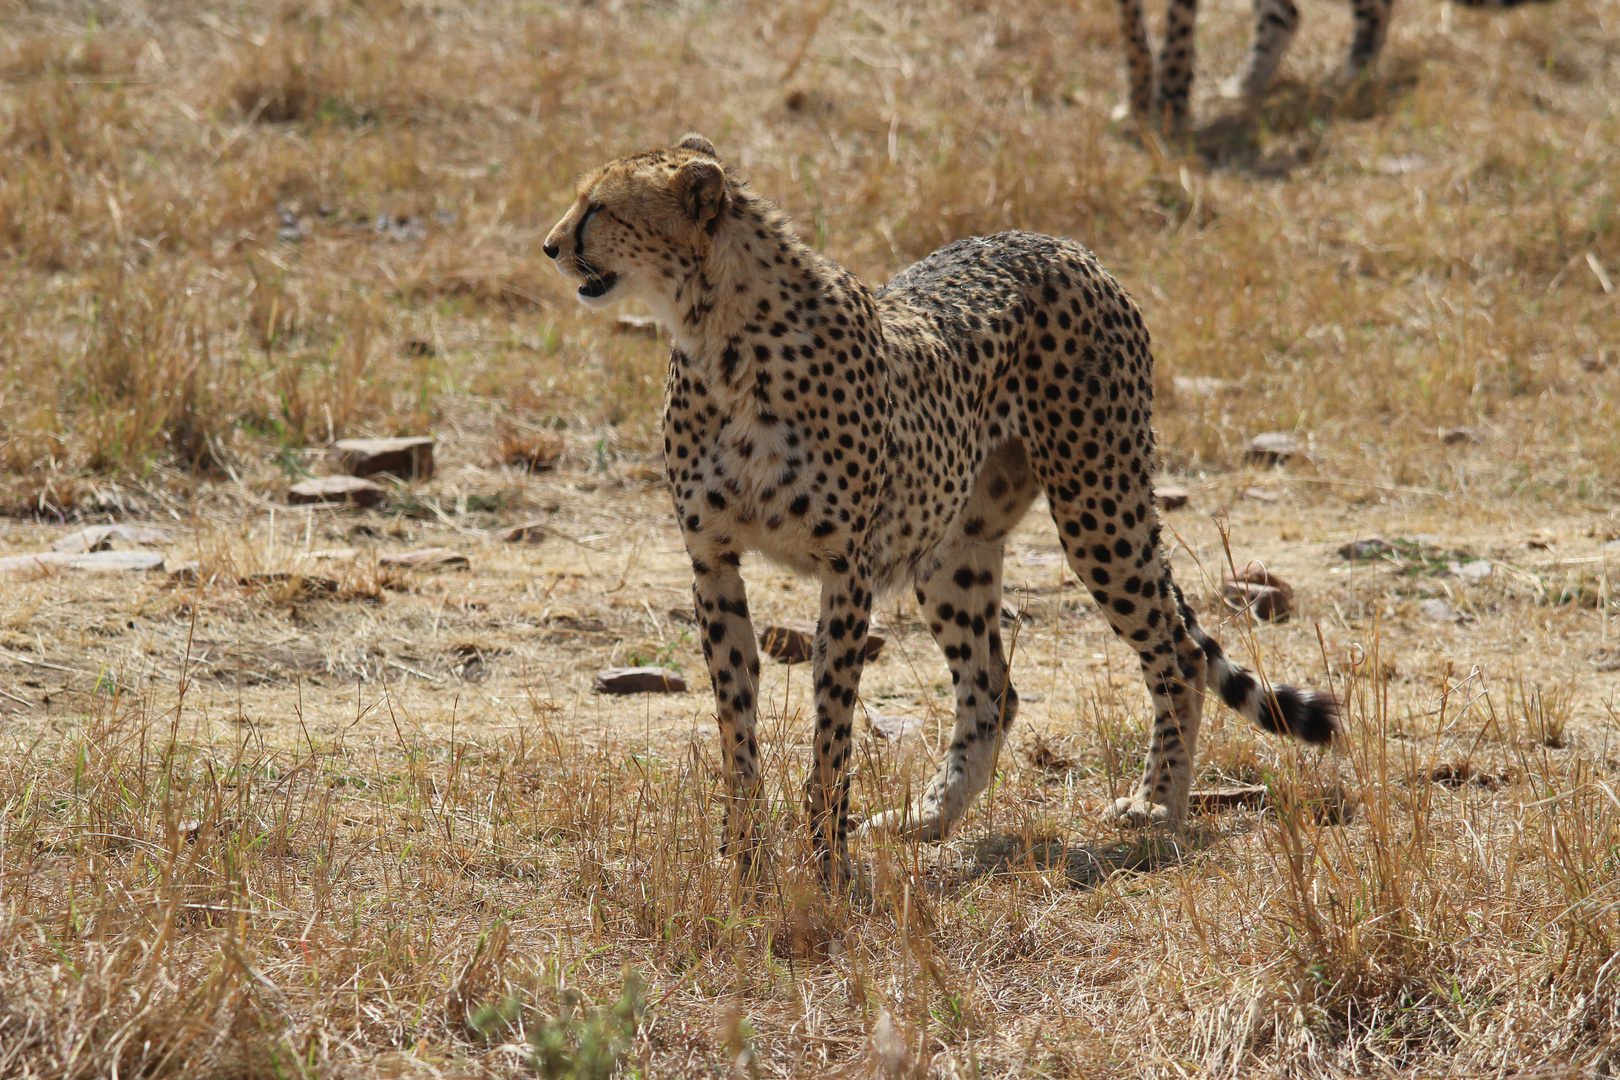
<point x="1473" y="570"/>
<point x="1457" y="436"/>
<point x="1012" y="613"/>
<point x="1172" y="498"/>
<point x="1203" y="386"/>
<point x="1368" y="547"/>
<point x="101" y="537"/>
<point x="409" y="458"/>
<point x="794" y="641"/>
<point x="1046" y="757"/>
<point x="336" y="491"/>
<point x="682" y="615"/>
<point x="531" y="451"/>
<point x="434" y="558"/>
<point x="1541" y="541"/>
<point x="94" y="562"/>
<point x="530" y="532"/>
<point x="1228" y="798"/>
<point x="1271" y="448"/>
<point x="303" y="584"/>
<point x="1253" y="587"/>
<point x="1267" y="602"/>
<point x="1439" y="611"/>
<point x="637" y="324"/>
<point x="344" y="554"/>
<point x="639" y="680"/>
<point x="1265" y="495"/>
<point x="193" y="572"/>
<point x="894" y="728"/>
<point x="1041" y="558"/>
<point x="1400" y="164"/>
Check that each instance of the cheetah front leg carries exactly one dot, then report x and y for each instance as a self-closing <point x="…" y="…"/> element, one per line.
<point x="721" y="603"/>
<point x="840" y="656"/>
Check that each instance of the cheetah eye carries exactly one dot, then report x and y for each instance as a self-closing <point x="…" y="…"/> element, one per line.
<point x="584" y="222"/>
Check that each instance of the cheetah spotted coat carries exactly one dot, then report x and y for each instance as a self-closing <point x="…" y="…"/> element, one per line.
<point x="875" y="440"/>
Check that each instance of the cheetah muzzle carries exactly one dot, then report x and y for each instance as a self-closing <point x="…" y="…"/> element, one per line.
<point x="877" y="439"/>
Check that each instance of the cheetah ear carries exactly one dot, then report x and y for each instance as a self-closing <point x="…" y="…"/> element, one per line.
<point x="693" y="141"/>
<point x="701" y="187"/>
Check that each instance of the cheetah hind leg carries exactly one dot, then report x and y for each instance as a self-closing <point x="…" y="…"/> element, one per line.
<point x="961" y="600"/>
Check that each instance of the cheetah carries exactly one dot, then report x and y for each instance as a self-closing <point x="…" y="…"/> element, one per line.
<point x="872" y="440"/>
<point x="1165" y="100"/>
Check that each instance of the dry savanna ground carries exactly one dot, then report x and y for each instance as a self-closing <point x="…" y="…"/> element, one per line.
<point x="352" y="819"/>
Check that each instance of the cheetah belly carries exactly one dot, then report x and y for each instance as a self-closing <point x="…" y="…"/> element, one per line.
<point x="760" y="481"/>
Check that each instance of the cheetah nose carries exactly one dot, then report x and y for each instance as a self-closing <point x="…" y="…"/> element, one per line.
<point x="550" y="249"/>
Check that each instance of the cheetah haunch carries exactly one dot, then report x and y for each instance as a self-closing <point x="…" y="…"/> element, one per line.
<point x="869" y="440"/>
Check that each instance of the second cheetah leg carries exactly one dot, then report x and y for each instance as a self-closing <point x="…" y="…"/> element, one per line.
<point x="1138" y="56"/>
<point x="1172" y="95"/>
<point x="962" y="603"/>
<point x="1372" y="25"/>
<point x="1275" y="22"/>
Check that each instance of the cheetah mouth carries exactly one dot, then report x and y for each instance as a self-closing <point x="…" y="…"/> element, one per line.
<point x="598" y="285"/>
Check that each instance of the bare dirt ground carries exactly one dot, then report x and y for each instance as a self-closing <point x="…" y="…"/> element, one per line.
<point x="351" y="819"/>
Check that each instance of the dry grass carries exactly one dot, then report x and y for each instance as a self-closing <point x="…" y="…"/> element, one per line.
<point x="381" y="827"/>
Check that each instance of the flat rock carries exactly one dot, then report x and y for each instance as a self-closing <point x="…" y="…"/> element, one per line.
<point x="336" y="491"/>
<point x="101" y="537"/>
<point x="1439" y="611"/>
<point x="1257" y="589"/>
<point x="530" y="532"/>
<point x="1368" y="547"/>
<point x="1457" y="436"/>
<point x="93" y="562"/>
<point x="409" y="457"/>
<point x="434" y="558"/>
<point x="794" y="641"/>
<point x="895" y="728"/>
<point x="1172" y="498"/>
<point x="639" y="680"/>
<point x="1265" y="495"/>
<point x="1272" y="448"/>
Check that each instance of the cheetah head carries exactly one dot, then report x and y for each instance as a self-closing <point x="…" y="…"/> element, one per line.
<point x="640" y="225"/>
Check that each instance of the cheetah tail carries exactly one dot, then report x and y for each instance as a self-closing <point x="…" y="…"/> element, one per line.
<point x="1308" y="715"/>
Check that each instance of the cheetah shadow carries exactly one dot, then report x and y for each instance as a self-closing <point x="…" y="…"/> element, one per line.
<point x="1292" y="126"/>
<point x="1082" y="865"/>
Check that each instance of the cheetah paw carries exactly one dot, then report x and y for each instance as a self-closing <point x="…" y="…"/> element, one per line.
<point x="1138" y="813"/>
<point x="896" y="823"/>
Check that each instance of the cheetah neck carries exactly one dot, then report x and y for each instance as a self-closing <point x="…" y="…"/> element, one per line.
<point x="754" y="259"/>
